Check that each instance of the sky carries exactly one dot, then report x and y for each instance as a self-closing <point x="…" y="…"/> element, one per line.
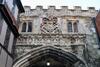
<point x="70" y="3"/>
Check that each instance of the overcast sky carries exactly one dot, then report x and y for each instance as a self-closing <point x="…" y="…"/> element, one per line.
<point x="58" y="3"/>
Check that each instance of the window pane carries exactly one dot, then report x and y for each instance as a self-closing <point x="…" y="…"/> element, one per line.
<point x="69" y="27"/>
<point x="24" y="27"/>
<point x="30" y="27"/>
<point x="75" y="27"/>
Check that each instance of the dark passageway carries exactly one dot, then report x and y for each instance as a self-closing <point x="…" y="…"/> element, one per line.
<point x="50" y="62"/>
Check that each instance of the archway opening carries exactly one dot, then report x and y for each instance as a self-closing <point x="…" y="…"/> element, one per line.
<point x="48" y="56"/>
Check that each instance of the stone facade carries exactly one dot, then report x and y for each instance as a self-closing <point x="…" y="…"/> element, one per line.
<point x="71" y="30"/>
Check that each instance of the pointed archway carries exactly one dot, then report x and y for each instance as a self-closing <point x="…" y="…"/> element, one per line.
<point x="48" y="56"/>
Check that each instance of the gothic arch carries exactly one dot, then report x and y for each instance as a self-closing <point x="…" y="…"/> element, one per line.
<point x="44" y="52"/>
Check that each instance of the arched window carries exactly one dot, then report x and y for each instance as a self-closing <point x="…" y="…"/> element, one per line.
<point x="75" y="27"/>
<point x="69" y="27"/>
<point x="29" y="26"/>
<point x="24" y="27"/>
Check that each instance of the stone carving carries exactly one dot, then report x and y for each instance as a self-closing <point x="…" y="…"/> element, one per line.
<point x="49" y="25"/>
<point x="63" y="41"/>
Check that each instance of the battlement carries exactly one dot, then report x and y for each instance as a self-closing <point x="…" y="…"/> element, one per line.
<point x="62" y="7"/>
<point x="63" y="11"/>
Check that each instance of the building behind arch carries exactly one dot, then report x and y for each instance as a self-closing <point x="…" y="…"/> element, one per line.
<point x="9" y="12"/>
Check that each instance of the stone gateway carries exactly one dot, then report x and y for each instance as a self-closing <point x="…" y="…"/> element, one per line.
<point x="56" y="38"/>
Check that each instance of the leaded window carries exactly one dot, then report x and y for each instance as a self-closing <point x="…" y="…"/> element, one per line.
<point x="75" y="27"/>
<point x="24" y="27"/>
<point x="29" y="26"/>
<point x="69" y="27"/>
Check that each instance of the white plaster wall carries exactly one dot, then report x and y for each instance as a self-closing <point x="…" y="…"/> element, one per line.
<point x="3" y="58"/>
<point x="9" y="62"/>
<point x="3" y="32"/>
<point x="11" y="42"/>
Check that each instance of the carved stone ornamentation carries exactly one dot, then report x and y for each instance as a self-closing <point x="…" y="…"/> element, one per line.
<point x="49" y="25"/>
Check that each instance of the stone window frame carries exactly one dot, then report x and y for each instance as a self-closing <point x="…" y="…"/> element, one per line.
<point x="72" y="27"/>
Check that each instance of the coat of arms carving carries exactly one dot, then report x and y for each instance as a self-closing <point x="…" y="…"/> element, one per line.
<point x="50" y="25"/>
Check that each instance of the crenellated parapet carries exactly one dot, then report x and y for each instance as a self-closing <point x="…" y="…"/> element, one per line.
<point x="64" y="11"/>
